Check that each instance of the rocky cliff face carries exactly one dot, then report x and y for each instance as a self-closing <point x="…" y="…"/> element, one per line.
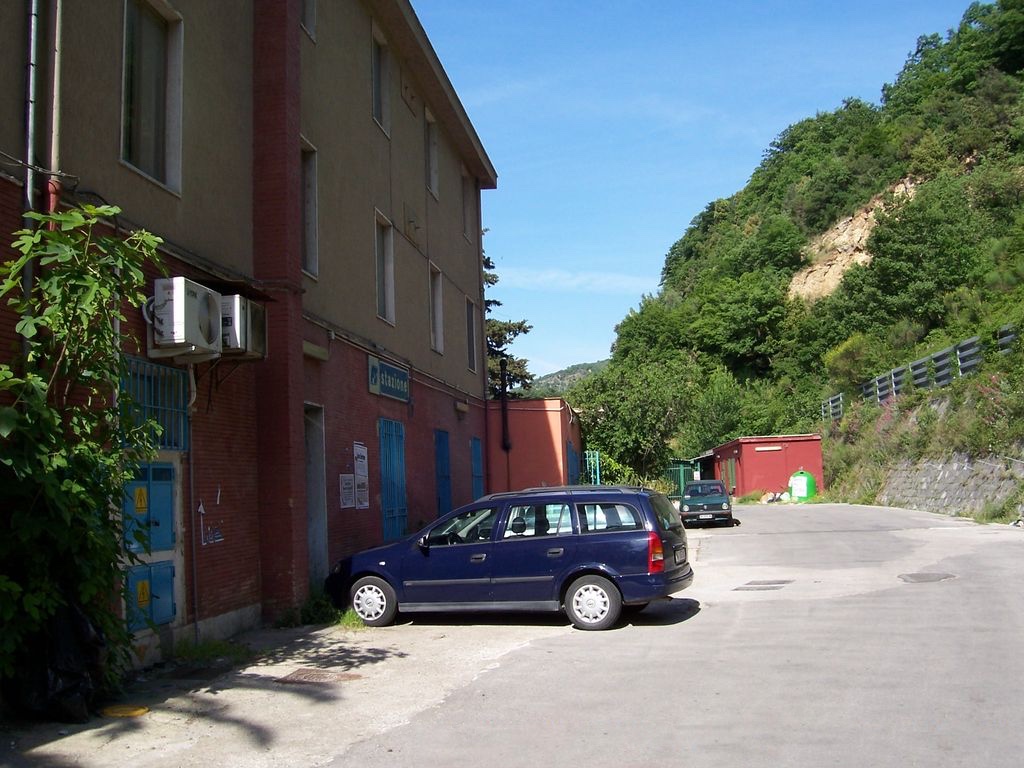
<point x="832" y="253"/>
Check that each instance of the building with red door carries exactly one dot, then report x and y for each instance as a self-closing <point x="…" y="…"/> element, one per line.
<point x="749" y="464"/>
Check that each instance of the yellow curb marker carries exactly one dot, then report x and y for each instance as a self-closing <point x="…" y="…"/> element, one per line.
<point x="123" y="710"/>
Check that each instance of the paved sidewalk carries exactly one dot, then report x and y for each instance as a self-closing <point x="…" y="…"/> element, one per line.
<point x="308" y="697"/>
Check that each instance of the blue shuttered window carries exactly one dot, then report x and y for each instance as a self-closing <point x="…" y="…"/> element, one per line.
<point x="476" y="450"/>
<point x="392" y="478"/>
<point x="442" y="472"/>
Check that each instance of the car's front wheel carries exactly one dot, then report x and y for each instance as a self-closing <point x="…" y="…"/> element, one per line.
<point x="593" y="602"/>
<point x="374" y="601"/>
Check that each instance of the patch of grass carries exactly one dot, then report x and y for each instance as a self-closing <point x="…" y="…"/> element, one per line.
<point x="1006" y="512"/>
<point x="350" y="620"/>
<point x="319" y="609"/>
<point x="211" y="651"/>
<point x="750" y="498"/>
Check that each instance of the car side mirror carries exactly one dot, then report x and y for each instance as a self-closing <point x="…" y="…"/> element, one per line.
<point x="423" y="543"/>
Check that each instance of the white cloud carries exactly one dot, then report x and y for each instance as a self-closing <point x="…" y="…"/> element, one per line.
<point x="562" y="281"/>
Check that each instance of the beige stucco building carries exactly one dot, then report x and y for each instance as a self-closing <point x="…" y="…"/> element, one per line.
<point x="314" y="159"/>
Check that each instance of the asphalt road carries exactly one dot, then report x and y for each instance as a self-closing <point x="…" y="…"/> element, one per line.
<point x="813" y="636"/>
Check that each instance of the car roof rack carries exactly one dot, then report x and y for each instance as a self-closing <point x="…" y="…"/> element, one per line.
<point x="570" y="489"/>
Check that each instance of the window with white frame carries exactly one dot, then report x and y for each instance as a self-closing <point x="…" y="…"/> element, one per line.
<point x="152" y="87"/>
<point x="380" y="67"/>
<point x="436" y="310"/>
<point x="385" y="250"/>
<point x="310" y="226"/>
<point x="430" y="152"/>
<point x="471" y="351"/>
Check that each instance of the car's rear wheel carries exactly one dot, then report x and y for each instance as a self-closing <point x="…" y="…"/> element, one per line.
<point x="374" y="601"/>
<point x="593" y="602"/>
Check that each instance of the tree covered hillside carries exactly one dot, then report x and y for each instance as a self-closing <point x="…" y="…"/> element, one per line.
<point x="722" y="350"/>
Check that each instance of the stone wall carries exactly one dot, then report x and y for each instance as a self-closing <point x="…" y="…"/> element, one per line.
<point x="957" y="485"/>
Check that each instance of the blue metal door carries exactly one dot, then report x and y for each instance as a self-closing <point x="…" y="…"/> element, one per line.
<point x="150" y="598"/>
<point x="476" y="450"/>
<point x="148" y="509"/>
<point x="442" y="472"/>
<point x="392" y="478"/>
<point x="573" y="458"/>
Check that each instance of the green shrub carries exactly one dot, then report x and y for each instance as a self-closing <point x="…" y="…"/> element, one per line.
<point x="66" y="449"/>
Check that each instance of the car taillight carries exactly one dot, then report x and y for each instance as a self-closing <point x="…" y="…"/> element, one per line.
<point x="655" y="553"/>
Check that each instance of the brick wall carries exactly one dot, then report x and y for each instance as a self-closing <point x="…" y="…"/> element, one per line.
<point x="224" y="443"/>
<point x="351" y="414"/>
<point x="277" y="238"/>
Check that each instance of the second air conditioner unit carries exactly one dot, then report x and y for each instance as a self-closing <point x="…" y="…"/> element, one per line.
<point x="243" y="328"/>
<point x="184" y="320"/>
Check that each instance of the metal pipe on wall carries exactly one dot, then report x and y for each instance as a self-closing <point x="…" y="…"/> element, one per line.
<point x="53" y="185"/>
<point x="32" y="65"/>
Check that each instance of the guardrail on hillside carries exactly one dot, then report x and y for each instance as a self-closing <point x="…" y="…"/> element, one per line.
<point x="937" y="370"/>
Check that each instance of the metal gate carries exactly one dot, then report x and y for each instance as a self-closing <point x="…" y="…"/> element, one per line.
<point x="591" y="474"/>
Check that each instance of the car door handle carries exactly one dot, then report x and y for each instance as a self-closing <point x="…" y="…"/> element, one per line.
<point x="555" y="552"/>
<point x="477" y="558"/>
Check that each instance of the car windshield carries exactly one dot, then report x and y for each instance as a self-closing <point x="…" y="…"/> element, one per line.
<point x="473" y="525"/>
<point x="705" y="489"/>
<point x="668" y="517"/>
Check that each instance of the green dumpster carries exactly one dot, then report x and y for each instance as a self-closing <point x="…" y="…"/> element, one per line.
<point x="802" y="486"/>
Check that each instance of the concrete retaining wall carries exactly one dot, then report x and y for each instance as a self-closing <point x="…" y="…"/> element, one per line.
<point x="957" y="485"/>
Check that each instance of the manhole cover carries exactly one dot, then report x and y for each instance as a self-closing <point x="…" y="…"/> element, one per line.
<point x="317" y="677"/>
<point x="925" y="578"/>
<point x="763" y="585"/>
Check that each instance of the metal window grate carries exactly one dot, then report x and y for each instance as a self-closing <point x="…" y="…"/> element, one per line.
<point x="159" y="393"/>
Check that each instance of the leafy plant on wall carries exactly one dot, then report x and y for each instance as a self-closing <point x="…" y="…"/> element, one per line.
<point x="68" y="443"/>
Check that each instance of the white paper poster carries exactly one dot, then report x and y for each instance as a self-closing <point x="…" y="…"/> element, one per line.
<point x="347" y="484"/>
<point x="362" y="477"/>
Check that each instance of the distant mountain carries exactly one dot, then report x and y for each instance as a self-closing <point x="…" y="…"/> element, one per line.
<point x="556" y="384"/>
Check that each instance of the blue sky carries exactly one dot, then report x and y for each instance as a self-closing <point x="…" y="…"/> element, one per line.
<point x="612" y="123"/>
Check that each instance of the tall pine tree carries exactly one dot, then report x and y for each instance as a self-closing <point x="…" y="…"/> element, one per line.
<point x="500" y="334"/>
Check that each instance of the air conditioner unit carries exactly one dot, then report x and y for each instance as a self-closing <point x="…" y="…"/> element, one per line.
<point x="243" y="328"/>
<point x="184" y="320"/>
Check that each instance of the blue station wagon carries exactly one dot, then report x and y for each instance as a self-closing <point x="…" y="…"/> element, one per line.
<point x="592" y="551"/>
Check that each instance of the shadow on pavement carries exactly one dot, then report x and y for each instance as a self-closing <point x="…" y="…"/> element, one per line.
<point x="190" y="691"/>
<point x="665" y="612"/>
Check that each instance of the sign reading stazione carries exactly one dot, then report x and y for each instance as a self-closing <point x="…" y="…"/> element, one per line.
<point x="388" y="380"/>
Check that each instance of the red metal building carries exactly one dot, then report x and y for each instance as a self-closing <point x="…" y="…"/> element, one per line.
<point x="749" y="464"/>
